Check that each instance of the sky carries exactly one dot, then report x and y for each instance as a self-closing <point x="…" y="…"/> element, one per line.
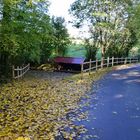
<point x="60" y="8"/>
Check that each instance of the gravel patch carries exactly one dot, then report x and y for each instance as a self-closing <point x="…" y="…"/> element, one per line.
<point x="51" y="76"/>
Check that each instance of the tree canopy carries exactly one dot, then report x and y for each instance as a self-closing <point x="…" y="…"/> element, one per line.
<point x="28" y="33"/>
<point x="108" y="24"/>
<point x="135" y="26"/>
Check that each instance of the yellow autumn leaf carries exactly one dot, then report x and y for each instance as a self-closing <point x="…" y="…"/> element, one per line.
<point x="20" y="138"/>
<point x="23" y="138"/>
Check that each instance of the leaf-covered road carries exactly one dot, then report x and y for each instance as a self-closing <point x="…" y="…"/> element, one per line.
<point x="114" y="107"/>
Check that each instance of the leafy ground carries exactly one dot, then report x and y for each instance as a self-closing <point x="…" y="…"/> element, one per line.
<point x="36" y="108"/>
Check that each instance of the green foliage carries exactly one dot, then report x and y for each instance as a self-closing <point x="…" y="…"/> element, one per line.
<point x="91" y="50"/>
<point x="23" y="26"/>
<point x="28" y="34"/>
<point x="108" y="22"/>
<point x="61" y="36"/>
<point x="135" y="28"/>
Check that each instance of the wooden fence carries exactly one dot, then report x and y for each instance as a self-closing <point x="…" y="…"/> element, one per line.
<point x="95" y="65"/>
<point x="19" y="72"/>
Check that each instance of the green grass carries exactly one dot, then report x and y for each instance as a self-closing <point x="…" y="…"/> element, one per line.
<point x="76" y="51"/>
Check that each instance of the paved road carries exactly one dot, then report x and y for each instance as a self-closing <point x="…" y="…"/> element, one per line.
<point x="114" y="111"/>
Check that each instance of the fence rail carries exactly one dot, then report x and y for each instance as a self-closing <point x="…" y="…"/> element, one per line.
<point x="95" y="65"/>
<point x="20" y="71"/>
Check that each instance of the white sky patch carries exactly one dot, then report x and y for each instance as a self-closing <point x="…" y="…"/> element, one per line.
<point x="60" y="8"/>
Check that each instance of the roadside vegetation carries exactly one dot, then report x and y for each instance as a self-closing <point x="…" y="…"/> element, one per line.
<point x="29" y="35"/>
<point x="112" y="24"/>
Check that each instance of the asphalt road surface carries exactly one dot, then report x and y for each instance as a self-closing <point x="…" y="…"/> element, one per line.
<point x="114" y="107"/>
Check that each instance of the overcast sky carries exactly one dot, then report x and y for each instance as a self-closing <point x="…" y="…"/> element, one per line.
<point x="60" y="8"/>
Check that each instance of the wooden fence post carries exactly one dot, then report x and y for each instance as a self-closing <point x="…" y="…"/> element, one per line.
<point x="112" y="61"/>
<point x="13" y="71"/>
<point x="125" y="62"/>
<point x="82" y="68"/>
<point x="18" y="72"/>
<point x="96" y="64"/>
<point x="102" y="62"/>
<point x="122" y="60"/>
<point x="107" y="61"/>
<point x="90" y="67"/>
<point x="29" y="66"/>
<point x="22" y="71"/>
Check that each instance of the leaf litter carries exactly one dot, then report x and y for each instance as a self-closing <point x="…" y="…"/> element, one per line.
<point x="32" y="108"/>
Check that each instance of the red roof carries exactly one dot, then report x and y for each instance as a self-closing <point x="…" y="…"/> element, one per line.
<point x="69" y="60"/>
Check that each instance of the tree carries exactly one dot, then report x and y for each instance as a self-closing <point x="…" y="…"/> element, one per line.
<point x="91" y="50"/>
<point x="23" y="26"/>
<point x="61" y="36"/>
<point x="107" y="21"/>
<point x="134" y="26"/>
<point x="24" y="29"/>
<point x="28" y="34"/>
